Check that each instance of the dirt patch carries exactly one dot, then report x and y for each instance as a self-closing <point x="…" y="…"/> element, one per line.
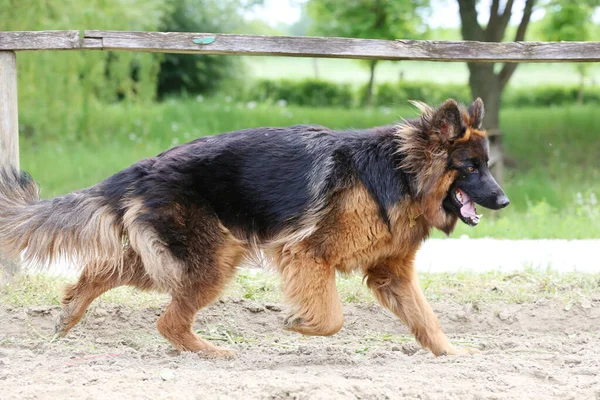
<point x="540" y="350"/>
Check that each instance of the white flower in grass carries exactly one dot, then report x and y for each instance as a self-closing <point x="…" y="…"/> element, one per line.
<point x="175" y="141"/>
<point x="281" y="103"/>
<point x="199" y="98"/>
<point x="174" y="126"/>
<point x="228" y="99"/>
<point x="251" y="105"/>
<point x="132" y="137"/>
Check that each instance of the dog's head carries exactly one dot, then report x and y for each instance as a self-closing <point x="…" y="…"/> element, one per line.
<point x="449" y="156"/>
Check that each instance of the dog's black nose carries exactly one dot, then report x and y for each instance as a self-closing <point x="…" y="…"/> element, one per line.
<point x="502" y="201"/>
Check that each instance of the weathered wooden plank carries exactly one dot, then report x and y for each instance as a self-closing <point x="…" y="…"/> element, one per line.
<point x="330" y="47"/>
<point x="9" y="125"/>
<point x="39" y="40"/>
<point x="326" y="47"/>
<point x="92" y="44"/>
<point x="9" y="135"/>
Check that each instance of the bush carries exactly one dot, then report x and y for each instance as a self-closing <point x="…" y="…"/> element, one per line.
<point x="317" y="93"/>
<point x="549" y="96"/>
<point x="389" y="94"/>
<point x="309" y="92"/>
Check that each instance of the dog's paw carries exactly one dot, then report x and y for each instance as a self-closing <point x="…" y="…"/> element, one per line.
<point x="60" y="326"/>
<point x="291" y="322"/>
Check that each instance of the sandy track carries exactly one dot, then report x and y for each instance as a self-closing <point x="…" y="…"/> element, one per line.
<point x="529" y="351"/>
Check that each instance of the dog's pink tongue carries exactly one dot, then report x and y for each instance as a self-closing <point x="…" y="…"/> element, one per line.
<point x="468" y="207"/>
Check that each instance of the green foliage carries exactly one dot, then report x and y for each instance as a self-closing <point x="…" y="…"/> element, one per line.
<point x="318" y="93"/>
<point x="308" y="92"/>
<point x="58" y="90"/>
<point x="389" y="94"/>
<point x="373" y="19"/>
<point x="195" y="73"/>
<point x="550" y="95"/>
<point x="570" y="20"/>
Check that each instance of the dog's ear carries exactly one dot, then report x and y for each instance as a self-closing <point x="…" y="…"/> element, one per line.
<point x="476" y="113"/>
<point x="447" y="121"/>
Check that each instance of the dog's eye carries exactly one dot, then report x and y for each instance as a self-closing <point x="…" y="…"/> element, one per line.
<point x="471" y="170"/>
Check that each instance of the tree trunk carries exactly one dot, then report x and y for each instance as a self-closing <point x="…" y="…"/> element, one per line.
<point x="486" y="84"/>
<point x="369" y="94"/>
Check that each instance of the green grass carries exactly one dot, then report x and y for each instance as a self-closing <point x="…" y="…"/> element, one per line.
<point x="554" y="183"/>
<point x="355" y="72"/>
<point x="261" y="287"/>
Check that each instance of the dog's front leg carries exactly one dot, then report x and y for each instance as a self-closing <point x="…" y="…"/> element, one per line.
<point x="396" y="286"/>
<point x="309" y="288"/>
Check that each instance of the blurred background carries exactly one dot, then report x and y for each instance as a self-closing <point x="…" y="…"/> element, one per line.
<point x="85" y="115"/>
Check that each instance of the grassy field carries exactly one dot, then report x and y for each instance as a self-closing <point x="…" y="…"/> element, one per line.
<point x="553" y="182"/>
<point x="355" y="72"/>
<point x="460" y="287"/>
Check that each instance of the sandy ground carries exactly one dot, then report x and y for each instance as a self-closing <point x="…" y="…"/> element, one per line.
<point x="529" y="351"/>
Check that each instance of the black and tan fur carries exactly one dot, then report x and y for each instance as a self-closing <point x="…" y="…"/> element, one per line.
<point x="311" y="200"/>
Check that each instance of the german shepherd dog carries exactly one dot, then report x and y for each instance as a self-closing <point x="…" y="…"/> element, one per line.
<point x="310" y="200"/>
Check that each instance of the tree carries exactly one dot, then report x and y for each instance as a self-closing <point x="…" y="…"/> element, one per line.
<point x="198" y="73"/>
<point x="57" y="89"/>
<point x="570" y="20"/>
<point x="484" y="81"/>
<point x="373" y="19"/>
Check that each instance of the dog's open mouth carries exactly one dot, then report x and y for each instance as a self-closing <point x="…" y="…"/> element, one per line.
<point x="468" y="211"/>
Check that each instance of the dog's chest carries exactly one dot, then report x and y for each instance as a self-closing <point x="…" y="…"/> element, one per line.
<point x="357" y="236"/>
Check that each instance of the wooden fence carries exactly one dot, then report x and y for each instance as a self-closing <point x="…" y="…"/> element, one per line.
<point x="321" y="47"/>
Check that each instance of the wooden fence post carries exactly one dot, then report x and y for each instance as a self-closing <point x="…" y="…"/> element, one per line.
<point x="9" y="136"/>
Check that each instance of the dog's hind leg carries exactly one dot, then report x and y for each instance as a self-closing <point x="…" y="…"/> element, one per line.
<point x="309" y="287"/>
<point x="189" y="253"/>
<point x="201" y="283"/>
<point x="97" y="278"/>
<point x="396" y="286"/>
<point x="176" y="322"/>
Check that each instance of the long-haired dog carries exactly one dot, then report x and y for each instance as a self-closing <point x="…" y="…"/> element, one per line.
<point x="313" y="201"/>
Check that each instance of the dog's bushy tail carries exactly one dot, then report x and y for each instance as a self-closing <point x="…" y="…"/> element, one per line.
<point x="80" y="226"/>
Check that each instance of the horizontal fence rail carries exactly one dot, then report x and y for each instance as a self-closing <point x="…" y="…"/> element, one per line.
<point x="40" y="40"/>
<point x="303" y="46"/>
